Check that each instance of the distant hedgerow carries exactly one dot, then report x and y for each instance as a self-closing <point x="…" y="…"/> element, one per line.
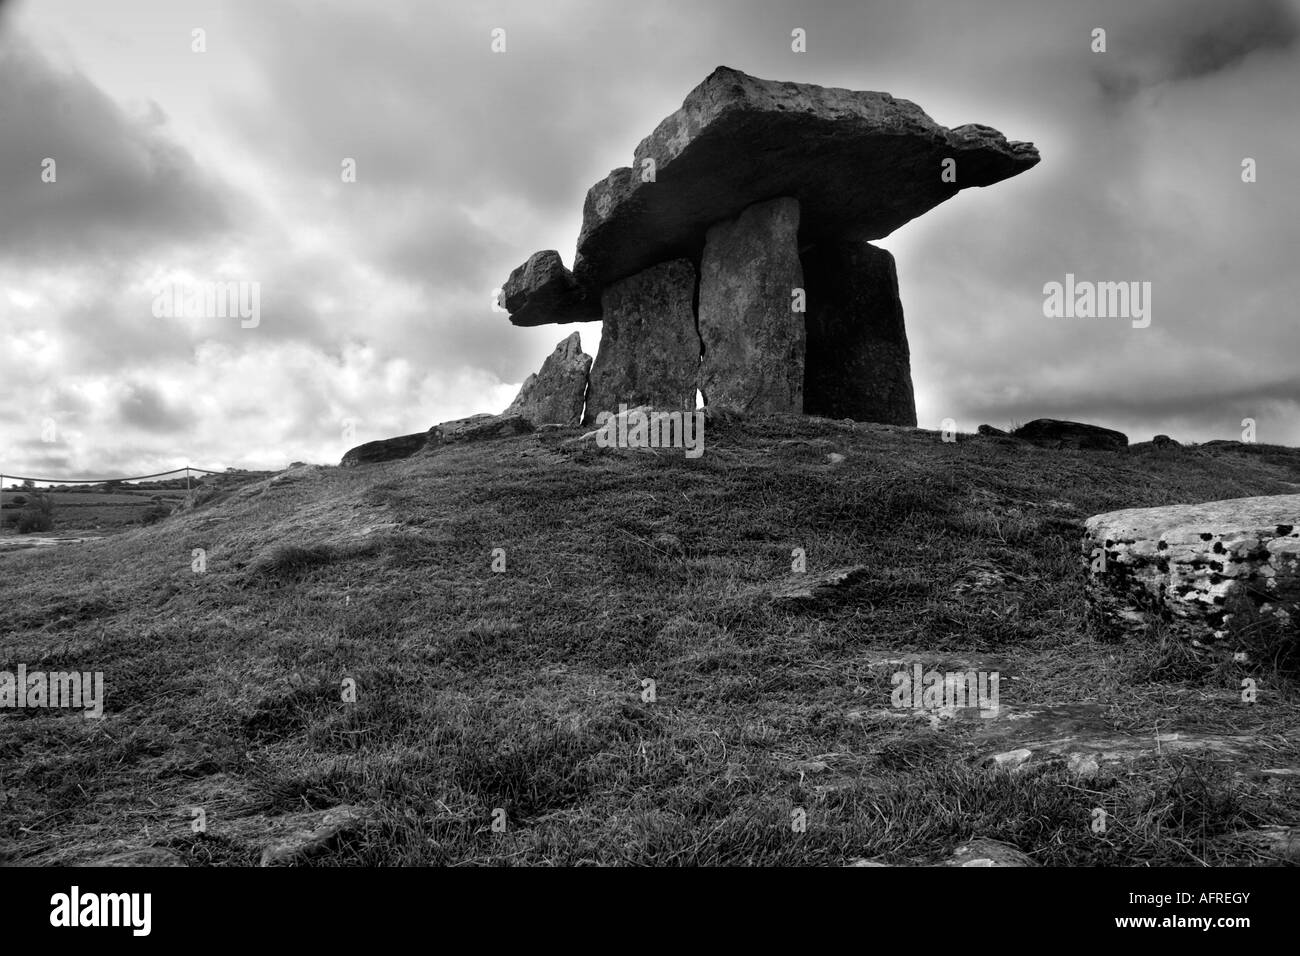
<point x="37" y="515"/>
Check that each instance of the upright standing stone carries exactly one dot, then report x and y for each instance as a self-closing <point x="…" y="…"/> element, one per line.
<point x="858" y="363"/>
<point x="753" y="339"/>
<point x="649" y="349"/>
<point x="554" y="395"/>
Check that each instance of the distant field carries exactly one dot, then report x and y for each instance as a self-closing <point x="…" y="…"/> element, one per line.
<point x="93" y="510"/>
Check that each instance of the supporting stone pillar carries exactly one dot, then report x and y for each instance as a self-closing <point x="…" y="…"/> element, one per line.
<point x="753" y="339"/>
<point x="649" y="349"/>
<point x="858" y="363"/>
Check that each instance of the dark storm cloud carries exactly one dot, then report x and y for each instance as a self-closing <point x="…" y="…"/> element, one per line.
<point x="375" y="294"/>
<point x="1194" y="39"/>
<point x="121" y="183"/>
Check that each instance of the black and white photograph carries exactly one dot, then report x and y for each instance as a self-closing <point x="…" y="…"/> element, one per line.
<point x="837" y="434"/>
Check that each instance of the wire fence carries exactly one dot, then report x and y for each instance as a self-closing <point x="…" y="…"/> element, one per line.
<point x="103" y="481"/>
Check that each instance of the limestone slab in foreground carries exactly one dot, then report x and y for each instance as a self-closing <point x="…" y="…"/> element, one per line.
<point x="1188" y="564"/>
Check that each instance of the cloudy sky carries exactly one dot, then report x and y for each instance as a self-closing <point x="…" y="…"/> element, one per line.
<point x="181" y="166"/>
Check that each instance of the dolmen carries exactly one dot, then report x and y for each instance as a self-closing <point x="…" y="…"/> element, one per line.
<point x="735" y="257"/>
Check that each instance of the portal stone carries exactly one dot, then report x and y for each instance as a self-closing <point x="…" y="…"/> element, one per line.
<point x="649" y="348"/>
<point x="753" y="339"/>
<point x="858" y="363"/>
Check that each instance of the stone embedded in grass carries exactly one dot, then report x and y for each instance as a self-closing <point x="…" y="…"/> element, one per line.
<point x="985" y="579"/>
<point x="1280" y="842"/>
<point x="476" y="428"/>
<point x="988" y="853"/>
<point x="385" y="449"/>
<point x="1194" y="566"/>
<point x="809" y="588"/>
<point x="1012" y="759"/>
<point x="316" y="833"/>
<point x="146" y="856"/>
<point x="1051" y="433"/>
<point x="1083" y="765"/>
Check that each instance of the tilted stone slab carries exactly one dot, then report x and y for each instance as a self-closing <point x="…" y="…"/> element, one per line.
<point x="649" y="349"/>
<point x="861" y="164"/>
<point x="1186" y="564"/>
<point x="753" y="338"/>
<point x="385" y="449"/>
<point x="858" y="363"/>
<point x="1075" y="436"/>
<point x="555" y="394"/>
<point x="481" y="427"/>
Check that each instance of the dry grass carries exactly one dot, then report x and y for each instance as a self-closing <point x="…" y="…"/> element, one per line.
<point x="523" y="690"/>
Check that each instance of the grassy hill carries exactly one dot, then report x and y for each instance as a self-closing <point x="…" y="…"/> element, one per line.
<point x="523" y="690"/>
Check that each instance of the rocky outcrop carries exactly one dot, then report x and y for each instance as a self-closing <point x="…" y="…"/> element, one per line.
<point x="1193" y="566"/>
<point x="386" y="449"/>
<point x="649" y="348"/>
<point x="753" y="340"/>
<point x="476" y="428"/>
<point x="858" y="363"/>
<point x="1051" y="433"/>
<point x="555" y="394"/>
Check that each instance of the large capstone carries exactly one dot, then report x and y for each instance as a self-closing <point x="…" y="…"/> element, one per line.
<point x="649" y="349"/>
<point x="555" y="394"/>
<point x="861" y="164"/>
<point x="752" y="337"/>
<point x="858" y="364"/>
<point x="1194" y="566"/>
